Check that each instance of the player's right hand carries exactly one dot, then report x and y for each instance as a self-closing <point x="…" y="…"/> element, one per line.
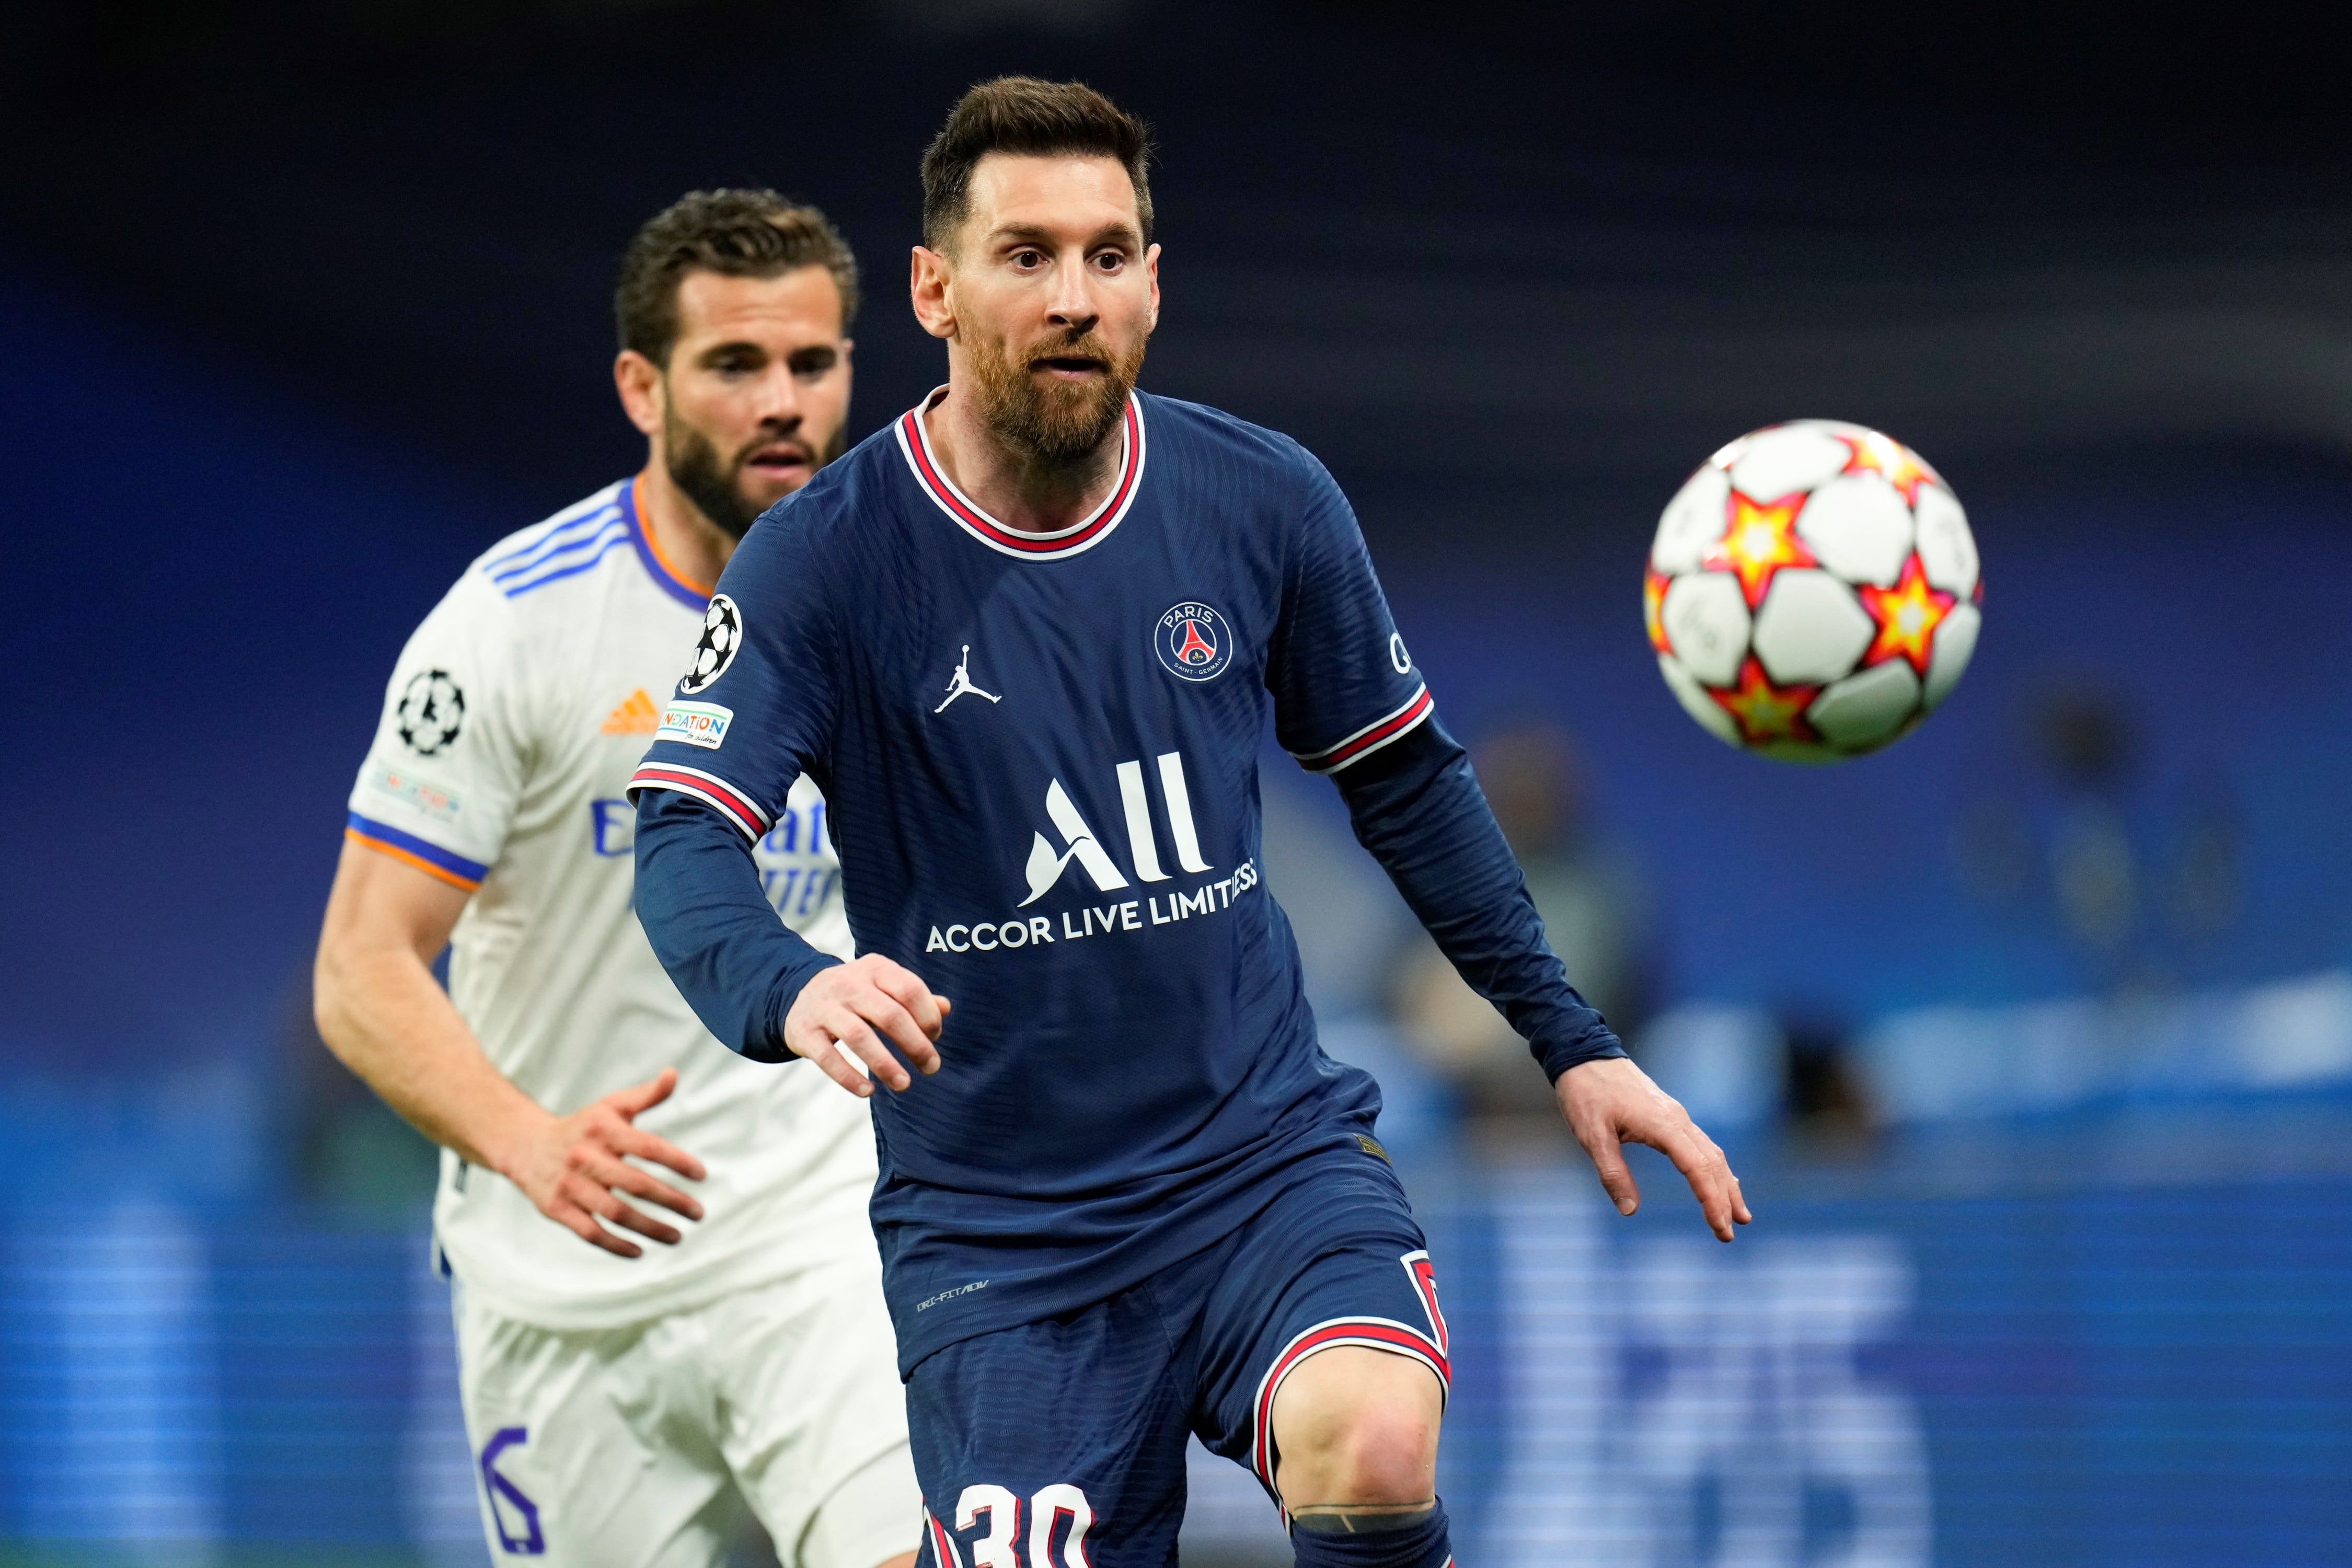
<point x="844" y="1006"/>
<point x="1612" y="1102"/>
<point x="571" y="1168"/>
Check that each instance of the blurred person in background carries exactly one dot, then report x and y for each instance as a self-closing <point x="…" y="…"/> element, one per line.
<point x="1825" y="1098"/>
<point x="1595" y="911"/>
<point x="625" y="1406"/>
<point x="2096" y="870"/>
<point x="2140" y="891"/>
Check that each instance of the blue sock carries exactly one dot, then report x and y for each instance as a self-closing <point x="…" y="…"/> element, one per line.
<point x="1422" y="1543"/>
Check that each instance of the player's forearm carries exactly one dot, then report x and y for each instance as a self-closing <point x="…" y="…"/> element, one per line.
<point x="700" y="901"/>
<point x="383" y="1014"/>
<point x="1417" y="807"/>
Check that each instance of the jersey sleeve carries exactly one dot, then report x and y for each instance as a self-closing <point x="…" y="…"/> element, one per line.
<point x="441" y="779"/>
<point x="755" y="709"/>
<point x="1343" y="684"/>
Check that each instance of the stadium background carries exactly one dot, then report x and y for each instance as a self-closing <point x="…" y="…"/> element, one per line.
<point x="2032" y="1037"/>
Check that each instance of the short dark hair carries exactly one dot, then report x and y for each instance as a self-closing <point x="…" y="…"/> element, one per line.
<point x="1023" y="115"/>
<point x="736" y="234"/>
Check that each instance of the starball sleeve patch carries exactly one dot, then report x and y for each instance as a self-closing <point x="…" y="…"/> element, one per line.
<point x="722" y="634"/>
<point x="432" y="712"/>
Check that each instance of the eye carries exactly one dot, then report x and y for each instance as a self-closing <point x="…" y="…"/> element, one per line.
<point x="1109" y="261"/>
<point x="1028" y="260"/>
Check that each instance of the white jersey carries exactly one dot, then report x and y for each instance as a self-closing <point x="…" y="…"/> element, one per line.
<point x="513" y="723"/>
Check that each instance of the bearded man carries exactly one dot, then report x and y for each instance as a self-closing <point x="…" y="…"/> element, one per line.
<point x="625" y="1406"/>
<point x="1125" y="1195"/>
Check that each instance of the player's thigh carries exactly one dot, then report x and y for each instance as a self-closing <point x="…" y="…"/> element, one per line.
<point x="1337" y="1262"/>
<point x="584" y="1455"/>
<point x="814" y="1418"/>
<point x="1055" y="1444"/>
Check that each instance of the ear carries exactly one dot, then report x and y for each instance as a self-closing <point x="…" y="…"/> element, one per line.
<point x="639" y="382"/>
<point x="928" y="278"/>
<point x="1151" y="265"/>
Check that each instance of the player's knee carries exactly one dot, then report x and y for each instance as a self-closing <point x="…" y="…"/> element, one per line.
<point x="1388" y="1457"/>
<point x="1378" y="1446"/>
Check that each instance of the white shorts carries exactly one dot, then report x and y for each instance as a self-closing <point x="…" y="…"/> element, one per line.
<point x="640" y="1447"/>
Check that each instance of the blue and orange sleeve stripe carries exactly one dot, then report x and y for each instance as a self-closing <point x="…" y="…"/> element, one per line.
<point x="429" y="858"/>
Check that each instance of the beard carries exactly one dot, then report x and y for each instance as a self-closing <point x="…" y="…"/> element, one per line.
<point x="715" y="485"/>
<point x="1053" y="422"/>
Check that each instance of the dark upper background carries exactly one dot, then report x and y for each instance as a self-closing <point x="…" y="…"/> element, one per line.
<point x="302" y="306"/>
<point x="1544" y="241"/>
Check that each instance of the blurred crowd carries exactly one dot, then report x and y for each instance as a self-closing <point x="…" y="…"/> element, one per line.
<point x="2133" y="897"/>
<point x="2135" y="893"/>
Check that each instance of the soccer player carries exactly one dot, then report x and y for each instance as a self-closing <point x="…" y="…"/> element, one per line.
<point x="625" y="1406"/>
<point x="1028" y="638"/>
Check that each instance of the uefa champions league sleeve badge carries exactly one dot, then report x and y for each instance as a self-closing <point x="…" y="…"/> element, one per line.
<point x="723" y="634"/>
<point x="432" y="712"/>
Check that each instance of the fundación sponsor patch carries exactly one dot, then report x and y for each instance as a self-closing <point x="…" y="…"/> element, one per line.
<point x="702" y="724"/>
<point x="418" y="794"/>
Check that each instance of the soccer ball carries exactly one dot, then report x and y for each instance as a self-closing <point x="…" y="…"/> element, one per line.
<point x="1814" y="592"/>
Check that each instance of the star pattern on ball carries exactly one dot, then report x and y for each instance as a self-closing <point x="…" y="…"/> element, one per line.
<point x="1908" y="615"/>
<point x="1654" y="607"/>
<point x="1764" y="712"/>
<point x="1890" y="460"/>
<point x="1761" y="539"/>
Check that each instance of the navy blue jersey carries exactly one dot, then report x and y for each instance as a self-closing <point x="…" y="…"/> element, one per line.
<point x="1041" y="753"/>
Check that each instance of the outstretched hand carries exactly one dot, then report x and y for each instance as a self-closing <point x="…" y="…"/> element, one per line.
<point x="843" y="1007"/>
<point x="1612" y="1102"/>
<point x="571" y="1168"/>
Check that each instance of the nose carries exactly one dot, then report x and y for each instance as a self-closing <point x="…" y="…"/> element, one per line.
<point x="1071" y="305"/>
<point x="780" y="399"/>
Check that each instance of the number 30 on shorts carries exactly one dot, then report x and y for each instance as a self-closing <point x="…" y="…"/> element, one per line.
<point x="1001" y="1546"/>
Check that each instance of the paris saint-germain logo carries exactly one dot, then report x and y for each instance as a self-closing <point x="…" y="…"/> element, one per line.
<point x="1194" y="641"/>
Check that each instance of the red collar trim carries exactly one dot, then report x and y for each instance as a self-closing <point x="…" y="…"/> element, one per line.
<point x="915" y="442"/>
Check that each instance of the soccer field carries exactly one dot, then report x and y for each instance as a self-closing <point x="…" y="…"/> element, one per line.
<point x="2135" y="1374"/>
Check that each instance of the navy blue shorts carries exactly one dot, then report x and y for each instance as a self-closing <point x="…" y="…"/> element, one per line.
<point x="1061" y="1444"/>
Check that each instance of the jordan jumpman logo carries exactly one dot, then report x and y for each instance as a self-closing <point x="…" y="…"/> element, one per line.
<point x="962" y="685"/>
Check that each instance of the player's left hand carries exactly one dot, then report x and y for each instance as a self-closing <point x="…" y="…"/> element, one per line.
<point x="574" y="1168"/>
<point x="1612" y="1102"/>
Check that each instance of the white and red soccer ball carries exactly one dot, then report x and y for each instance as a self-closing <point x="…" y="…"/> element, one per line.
<point x="1814" y="592"/>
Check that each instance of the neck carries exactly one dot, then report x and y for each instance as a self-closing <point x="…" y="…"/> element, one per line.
<point x="690" y="544"/>
<point x="1023" y="492"/>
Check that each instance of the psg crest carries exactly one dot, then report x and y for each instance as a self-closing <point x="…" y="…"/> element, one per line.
<point x="1195" y="642"/>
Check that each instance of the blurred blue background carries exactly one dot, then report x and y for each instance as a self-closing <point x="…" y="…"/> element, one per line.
<point x="2031" y="1036"/>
